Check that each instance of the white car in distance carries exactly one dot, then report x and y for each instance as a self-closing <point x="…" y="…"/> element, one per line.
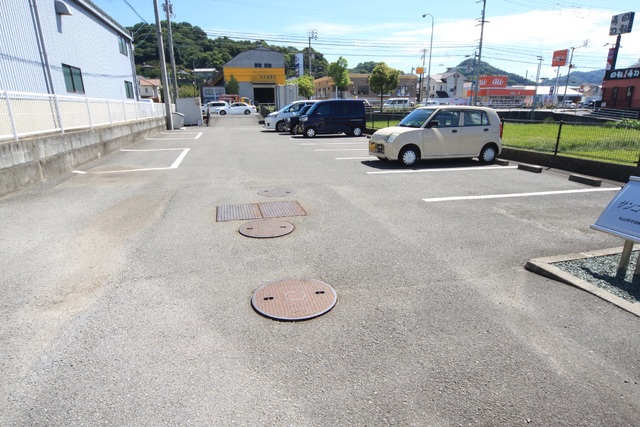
<point x="237" y="108"/>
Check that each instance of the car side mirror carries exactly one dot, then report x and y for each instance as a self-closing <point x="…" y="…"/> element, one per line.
<point x="433" y="124"/>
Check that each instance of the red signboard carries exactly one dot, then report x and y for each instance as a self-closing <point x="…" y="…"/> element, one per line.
<point x="560" y="58"/>
<point x="612" y="53"/>
<point x="493" y="81"/>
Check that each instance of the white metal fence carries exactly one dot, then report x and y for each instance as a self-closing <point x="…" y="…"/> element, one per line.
<point x="25" y="114"/>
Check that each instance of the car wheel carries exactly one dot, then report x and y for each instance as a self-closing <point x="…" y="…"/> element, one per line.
<point x="488" y="154"/>
<point x="310" y="132"/>
<point x="247" y="112"/>
<point x="409" y="156"/>
<point x="222" y="112"/>
<point x="280" y="126"/>
<point x="357" y="131"/>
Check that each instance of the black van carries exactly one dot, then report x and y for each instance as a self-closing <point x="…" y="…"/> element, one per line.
<point x="334" y="116"/>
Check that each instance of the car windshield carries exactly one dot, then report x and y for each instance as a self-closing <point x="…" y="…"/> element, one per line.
<point x="416" y="118"/>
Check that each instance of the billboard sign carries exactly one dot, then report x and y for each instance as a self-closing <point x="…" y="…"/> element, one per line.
<point x="493" y="81"/>
<point x="625" y="74"/>
<point x="621" y="24"/>
<point x="299" y="64"/>
<point x="560" y="58"/>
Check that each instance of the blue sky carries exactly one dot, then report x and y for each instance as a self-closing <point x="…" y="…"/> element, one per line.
<point x="515" y="34"/>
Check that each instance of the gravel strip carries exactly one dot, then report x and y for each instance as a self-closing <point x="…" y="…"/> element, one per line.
<point x="601" y="271"/>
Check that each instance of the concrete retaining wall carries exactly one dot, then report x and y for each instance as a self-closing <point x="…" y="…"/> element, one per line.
<point x="611" y="171"/>
<point x="30" y="161"/>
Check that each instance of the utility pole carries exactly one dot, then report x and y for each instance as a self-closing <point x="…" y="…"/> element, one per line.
<point x="424" y="54"/>
<point x="585" y="44"/>
<point x="482" y="22"/>
<point x="313" y="34"/>
<point x="163" y="69"/>
<point x="535" y="92"/>
<point x="168" y="10"/>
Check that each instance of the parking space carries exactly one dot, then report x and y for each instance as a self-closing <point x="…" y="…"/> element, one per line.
<point x="138" y="271"/>
<point x="453" y="170"/>
<point x="148" y="155"/>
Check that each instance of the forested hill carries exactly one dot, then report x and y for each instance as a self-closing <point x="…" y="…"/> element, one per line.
<point x="194" y="49"/>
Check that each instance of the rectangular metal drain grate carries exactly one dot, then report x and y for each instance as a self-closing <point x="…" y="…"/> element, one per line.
<point x="237" y="212"/>
<point x="280" y="209"/>
<point x="258" y="211"/>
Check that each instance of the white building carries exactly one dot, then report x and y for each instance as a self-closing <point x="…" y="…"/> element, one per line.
<point x="449" y="84"/>
<point x="68" y="47"/>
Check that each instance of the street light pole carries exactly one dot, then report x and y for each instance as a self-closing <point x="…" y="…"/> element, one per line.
<point x="430" y="49"/>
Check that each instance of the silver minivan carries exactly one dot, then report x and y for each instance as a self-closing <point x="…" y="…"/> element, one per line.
<point x="276" y="121"/>
<point x="446" y="131"/>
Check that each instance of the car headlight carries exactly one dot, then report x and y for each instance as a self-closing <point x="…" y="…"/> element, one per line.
<point x="272" y="114"/>
<point x="303" y="119"/>
<point x="392" y="137"/>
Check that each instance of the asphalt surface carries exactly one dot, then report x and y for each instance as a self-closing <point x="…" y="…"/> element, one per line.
<point x="124" y="302"/>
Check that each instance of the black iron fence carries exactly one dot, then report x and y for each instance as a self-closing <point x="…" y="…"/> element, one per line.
<point x="615" y="141"/>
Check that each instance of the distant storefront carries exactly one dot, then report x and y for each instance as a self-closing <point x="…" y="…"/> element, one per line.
<point x="621" y="88"/>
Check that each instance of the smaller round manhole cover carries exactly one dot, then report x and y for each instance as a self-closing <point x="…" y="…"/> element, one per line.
<point x="266" y="228"/>
<point x="276" y="192"/>
<point x="294" y="299"/>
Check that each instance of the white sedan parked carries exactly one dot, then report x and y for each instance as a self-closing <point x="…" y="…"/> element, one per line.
<point x="237" y="108"/>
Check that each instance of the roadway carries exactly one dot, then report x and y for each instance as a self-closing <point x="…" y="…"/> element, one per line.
<point x="125" y="302"/>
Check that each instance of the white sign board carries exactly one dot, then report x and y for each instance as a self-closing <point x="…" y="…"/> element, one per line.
<point x="621" y="217"/>
<point x="621" y="24"/>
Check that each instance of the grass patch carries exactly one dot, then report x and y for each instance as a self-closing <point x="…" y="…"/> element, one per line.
<point x="608" y="143"/>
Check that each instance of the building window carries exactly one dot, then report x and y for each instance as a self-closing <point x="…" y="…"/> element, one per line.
<point x="402" y="91"/>
<point x="128" y="88"/>
<point x="267" y="65"/>
<point x="257" y="65"/>
<point x="363" y="90"/>
<point x="73" y="79"/>
<point x="122" y="45"/>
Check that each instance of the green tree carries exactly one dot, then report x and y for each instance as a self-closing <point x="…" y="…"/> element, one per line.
<point x="365" y="67"/>
<point x="232" y="86"/>
<point x="383" y="80"/>
<point x="340" y="74"/>
<point x="187" y="91"/>
<point x="305" y="86"/>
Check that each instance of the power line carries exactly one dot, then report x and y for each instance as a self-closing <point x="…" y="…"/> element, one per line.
<point x="135" y="11"/>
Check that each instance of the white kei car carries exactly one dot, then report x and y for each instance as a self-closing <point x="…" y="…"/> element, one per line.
<point x="445" y="131"/>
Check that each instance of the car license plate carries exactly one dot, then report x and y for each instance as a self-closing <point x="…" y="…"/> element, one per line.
<point x="372" y="146"/>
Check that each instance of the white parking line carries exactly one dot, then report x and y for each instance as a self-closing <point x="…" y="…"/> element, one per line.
<point x="331" y="143"/>
<point x="503" y="196"/>
<point x="171" y="139"/>
<point x="473" y="168"/>
<point x="357" y="158"/>
<point x="174" y="165"/>
<point x="340" y="149"/>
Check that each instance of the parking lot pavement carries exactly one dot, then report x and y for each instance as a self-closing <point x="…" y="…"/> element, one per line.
<point x="127" y="299"/>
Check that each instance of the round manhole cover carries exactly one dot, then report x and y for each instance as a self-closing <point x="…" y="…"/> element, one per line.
<point x="276" y="192"/>
<point x="294" y="299"/>
<point x="266" y="228"/>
